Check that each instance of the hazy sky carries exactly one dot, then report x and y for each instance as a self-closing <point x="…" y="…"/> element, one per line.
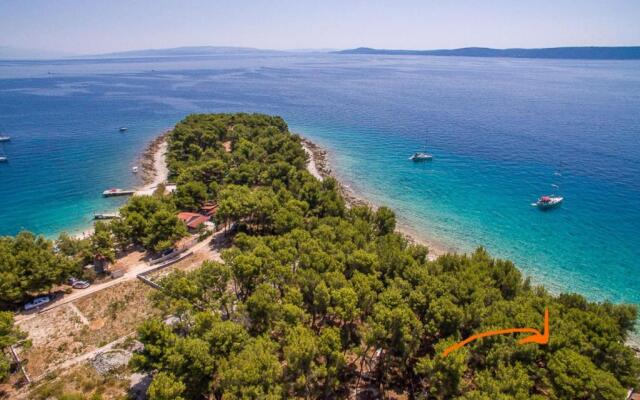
<point x="101" y="26"/>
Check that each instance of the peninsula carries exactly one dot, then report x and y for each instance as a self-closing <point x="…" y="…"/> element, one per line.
<point x="310" y="297"/>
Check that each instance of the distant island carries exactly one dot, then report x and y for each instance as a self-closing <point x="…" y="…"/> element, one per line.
<point x="183" y="51"/>
<point x="14" y="53"/>
<point x="579" y="53"/>
<point x="17" y="53"/>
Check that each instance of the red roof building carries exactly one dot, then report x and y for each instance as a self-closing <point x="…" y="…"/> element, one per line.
<point x="209" y="209"/>
<point x="193" y="220"/>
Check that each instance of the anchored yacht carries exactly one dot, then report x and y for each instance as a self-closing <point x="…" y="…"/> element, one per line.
<point x="422" y="155"/>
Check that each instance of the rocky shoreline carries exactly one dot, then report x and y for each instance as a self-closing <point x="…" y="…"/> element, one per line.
<point x="147" y="160"/>
<point x="148" y="174"/>
<point x="321" y="162"/>
<point x="320" y="159"/>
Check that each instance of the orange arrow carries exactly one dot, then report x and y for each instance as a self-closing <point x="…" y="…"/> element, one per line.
<point x="537" y="337"/>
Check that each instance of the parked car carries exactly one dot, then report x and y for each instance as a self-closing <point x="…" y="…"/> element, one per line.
<point x="166" y="252"/>
<point x="37" y="303"/>
<point x="78" y="283"/>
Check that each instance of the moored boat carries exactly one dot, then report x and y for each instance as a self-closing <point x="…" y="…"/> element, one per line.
<point x="548" y="202"/>
<point x="421" y="156"/>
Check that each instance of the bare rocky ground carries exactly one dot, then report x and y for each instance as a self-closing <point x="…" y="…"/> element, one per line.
<point x="79" y="336"/>
<point x="84" y="325"/>
<point x="94" y="336"/>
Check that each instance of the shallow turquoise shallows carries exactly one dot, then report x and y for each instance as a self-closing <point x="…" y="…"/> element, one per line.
<point x="499" y="130"/>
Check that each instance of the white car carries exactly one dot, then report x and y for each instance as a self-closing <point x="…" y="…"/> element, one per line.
<point x="37" y="303"/>
<point x="78" y="284"/>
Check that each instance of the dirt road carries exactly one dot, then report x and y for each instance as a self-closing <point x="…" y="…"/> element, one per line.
<point x="132" y="273"/>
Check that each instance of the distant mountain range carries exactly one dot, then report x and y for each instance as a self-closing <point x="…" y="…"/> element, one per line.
<point x="16" y="53"/>
<point x="183" y="51"/>
<point x="19" y="53"/>
<point x="582" y="53"/>
<point x="586" y="53"/>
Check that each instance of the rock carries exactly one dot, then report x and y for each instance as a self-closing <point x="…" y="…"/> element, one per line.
<point x="139" y="384"/>
<point x="110" y="360"/>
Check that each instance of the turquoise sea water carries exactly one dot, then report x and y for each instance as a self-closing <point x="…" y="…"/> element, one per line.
<point x="499" y="129"/>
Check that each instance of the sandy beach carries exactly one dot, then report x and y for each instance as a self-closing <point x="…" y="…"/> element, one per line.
<point x="311" y="165"/>
<point x="156" y="171"/>
<point x="318" y="166"/>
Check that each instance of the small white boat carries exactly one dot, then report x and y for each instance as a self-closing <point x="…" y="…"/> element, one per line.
<point x="5" y="138"/>
<point x="3" y="159"/>
<point x="548" y="202"/>
<point x="134" y="169"/>
<point x="421" y="156"/>
<point x="123" y="129"/>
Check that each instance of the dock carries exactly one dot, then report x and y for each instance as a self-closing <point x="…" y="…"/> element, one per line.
<point x="117" y="192"/>
<point x="99" y="216"/>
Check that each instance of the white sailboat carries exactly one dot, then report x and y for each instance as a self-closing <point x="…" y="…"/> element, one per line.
<point x="421" y="155"/>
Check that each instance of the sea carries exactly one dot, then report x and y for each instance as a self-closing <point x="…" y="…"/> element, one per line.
<point x="501" y="131"/>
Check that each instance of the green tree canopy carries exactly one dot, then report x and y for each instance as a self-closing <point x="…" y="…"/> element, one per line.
<point x="315" y="299"/>
<point x="29" y="265"/>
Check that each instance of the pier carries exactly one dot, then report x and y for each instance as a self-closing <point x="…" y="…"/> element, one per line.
<point x="117" y="192"/>
<point x="99" y="216"/>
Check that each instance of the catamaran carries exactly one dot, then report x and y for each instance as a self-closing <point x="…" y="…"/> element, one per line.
<point x="421" y="155"/>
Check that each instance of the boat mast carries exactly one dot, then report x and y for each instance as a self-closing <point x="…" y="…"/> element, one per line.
<point x="426" y="133"/>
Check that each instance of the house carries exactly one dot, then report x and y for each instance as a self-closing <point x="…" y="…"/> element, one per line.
<point x="209" y="209"/>
<point x="193" y="220"/>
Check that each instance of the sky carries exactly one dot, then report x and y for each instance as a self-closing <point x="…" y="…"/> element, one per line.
<point x="98" y="26"/>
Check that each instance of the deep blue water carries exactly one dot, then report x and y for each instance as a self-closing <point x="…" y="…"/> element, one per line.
<point x="499" y="129"/>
